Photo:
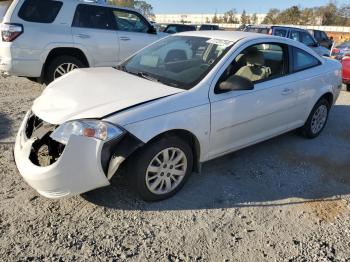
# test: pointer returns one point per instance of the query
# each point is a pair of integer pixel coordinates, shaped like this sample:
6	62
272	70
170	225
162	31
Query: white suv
44	40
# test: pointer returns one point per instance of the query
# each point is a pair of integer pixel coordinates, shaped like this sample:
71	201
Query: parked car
46	39
208	27
296	34
179	28
346	71
339	51
342	53
184	100
322	38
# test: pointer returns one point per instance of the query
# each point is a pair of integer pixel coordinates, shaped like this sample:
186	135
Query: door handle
83	36
125	38
287	91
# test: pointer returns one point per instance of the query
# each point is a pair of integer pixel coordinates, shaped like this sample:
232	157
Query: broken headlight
88	128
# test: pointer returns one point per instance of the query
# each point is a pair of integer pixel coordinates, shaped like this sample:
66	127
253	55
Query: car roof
226	35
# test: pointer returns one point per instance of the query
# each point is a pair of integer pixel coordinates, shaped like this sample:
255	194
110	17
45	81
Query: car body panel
61	102
346	70
70	175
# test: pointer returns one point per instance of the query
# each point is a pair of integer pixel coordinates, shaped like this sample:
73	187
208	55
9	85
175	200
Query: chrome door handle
83	36
287	91
125	38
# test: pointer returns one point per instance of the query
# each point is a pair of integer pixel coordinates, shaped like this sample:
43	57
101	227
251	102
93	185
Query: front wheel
161	169
317	119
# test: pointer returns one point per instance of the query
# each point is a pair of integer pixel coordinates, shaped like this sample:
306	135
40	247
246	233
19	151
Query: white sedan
180	102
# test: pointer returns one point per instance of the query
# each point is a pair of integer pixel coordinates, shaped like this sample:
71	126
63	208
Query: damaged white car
180	102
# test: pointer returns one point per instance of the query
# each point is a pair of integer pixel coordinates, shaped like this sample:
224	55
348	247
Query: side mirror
235	83
152	30
315	44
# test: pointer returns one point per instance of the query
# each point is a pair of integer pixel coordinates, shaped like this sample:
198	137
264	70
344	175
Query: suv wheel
60	66
317	119
161	169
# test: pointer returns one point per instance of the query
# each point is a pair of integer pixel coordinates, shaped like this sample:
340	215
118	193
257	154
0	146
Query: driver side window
255	64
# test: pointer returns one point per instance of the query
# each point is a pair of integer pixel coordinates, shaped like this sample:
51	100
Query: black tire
138	164
58	61
307	130
348	87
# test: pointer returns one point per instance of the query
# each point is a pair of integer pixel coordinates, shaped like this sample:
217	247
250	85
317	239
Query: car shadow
5	126
285	170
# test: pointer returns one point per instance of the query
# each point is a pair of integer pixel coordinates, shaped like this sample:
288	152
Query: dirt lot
283	200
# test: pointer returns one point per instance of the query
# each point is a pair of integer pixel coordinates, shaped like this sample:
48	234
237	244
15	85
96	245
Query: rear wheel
317	119
60	66
161	169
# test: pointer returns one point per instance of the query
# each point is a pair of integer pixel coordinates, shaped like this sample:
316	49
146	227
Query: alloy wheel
64	69
319	119
166	171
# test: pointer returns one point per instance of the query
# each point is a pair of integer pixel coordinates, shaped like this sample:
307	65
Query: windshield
4	5
178	61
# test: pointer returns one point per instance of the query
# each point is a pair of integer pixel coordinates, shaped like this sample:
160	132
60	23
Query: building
196	18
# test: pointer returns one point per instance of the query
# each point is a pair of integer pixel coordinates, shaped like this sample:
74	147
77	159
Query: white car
43	40
180	102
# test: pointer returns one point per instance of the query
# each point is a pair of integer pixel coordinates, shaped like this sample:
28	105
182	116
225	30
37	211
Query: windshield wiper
147	76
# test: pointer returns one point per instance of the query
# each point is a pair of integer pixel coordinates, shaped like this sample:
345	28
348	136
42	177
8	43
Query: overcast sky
210	6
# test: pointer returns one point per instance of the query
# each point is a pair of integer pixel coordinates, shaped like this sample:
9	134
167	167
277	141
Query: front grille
45	151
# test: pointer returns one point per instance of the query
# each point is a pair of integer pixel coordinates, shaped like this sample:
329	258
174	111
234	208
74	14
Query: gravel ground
286	199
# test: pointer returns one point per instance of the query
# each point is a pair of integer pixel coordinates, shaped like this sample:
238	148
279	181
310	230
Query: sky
221	6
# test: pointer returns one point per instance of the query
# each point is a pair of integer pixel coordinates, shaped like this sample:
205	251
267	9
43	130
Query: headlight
88	128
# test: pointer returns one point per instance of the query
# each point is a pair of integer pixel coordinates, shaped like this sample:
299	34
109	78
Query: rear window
95	17
3	8
40	11
303	60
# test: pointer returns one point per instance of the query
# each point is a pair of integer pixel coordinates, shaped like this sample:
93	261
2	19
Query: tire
348	87
141	166
66	62
315	124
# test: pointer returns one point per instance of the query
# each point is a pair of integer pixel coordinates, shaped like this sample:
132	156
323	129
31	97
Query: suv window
131	22
303	60
280	32
258	63
295	35
317	35
39	11
324	36
96	17
307	39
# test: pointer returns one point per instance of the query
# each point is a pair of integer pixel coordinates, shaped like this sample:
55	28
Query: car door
94	31
134	32
243	117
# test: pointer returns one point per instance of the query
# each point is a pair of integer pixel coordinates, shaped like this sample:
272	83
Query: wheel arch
189	138
72	51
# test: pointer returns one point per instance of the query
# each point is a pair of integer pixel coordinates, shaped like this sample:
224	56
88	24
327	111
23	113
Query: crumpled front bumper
78	169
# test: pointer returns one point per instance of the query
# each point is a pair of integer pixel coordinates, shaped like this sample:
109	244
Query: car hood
95	93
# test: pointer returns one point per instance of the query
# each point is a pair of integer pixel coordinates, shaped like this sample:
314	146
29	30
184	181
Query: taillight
9	32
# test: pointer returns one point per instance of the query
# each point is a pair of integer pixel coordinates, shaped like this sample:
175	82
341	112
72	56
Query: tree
230	17
145	8
215	19
308	17
254	19
290	16
271	16
245	19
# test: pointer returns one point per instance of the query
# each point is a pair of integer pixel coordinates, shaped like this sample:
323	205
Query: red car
346	71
